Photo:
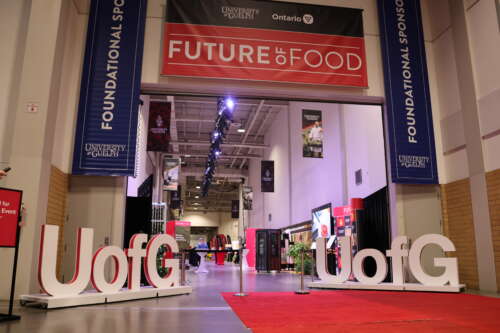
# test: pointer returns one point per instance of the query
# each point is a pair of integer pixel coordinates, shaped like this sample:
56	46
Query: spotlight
196	196
230	103
198	187
241	130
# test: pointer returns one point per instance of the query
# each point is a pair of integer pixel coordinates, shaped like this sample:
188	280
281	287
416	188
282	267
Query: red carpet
366	311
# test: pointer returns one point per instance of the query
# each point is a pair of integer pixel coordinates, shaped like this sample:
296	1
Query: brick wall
56	209
493	185
458	226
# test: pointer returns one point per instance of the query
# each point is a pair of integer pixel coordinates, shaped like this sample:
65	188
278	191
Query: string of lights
225	108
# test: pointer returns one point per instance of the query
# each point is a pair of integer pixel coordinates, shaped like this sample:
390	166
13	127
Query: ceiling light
197	197
187	155
241	130
230	103
198	187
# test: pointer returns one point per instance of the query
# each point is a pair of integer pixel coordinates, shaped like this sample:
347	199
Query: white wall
277	203
226	225
353	139
364	148
315	181
98	203
13	22
69	93
201	219
484	39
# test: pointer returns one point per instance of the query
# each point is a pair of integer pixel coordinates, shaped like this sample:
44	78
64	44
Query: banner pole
302	291
240	254
11	316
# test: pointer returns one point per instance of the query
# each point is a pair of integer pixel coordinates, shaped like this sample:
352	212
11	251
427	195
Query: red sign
10	203
265	55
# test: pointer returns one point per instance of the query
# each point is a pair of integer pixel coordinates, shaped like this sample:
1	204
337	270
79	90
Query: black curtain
375	227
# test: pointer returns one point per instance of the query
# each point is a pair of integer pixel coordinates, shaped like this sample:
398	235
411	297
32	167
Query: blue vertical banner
105	141
410	128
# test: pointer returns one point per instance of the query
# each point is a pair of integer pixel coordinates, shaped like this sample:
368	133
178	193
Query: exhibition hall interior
321	155
249	166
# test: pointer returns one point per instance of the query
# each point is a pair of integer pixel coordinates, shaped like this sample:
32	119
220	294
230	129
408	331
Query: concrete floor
202	311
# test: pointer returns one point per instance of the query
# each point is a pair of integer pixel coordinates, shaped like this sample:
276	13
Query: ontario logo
308	19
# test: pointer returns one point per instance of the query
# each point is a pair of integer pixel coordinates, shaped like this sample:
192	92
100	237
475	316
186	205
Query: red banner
10	203
263	55
159	126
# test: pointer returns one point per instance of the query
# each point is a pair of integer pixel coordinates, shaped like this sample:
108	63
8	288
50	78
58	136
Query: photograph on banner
247	197
267	176
159	126
312	134
171	170
10	206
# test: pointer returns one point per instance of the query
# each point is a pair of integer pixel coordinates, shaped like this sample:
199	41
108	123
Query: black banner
159	126
267	176
275	15
235	209
175	198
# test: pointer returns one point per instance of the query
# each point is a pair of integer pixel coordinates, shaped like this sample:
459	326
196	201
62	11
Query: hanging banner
247	197
267	176
312	134
235	209
411	135
10	207
159	126
171	169
265	41
106	130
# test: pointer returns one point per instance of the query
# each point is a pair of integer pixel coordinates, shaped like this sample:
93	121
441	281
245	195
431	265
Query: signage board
106	130
10	205
265	41
410	127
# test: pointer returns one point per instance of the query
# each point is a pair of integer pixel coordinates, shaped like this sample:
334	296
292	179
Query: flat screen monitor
321	222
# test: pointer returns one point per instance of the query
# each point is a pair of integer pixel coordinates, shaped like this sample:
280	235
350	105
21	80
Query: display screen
321	222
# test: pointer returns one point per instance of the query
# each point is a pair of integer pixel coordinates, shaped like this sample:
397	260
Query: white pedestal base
386	286
94	297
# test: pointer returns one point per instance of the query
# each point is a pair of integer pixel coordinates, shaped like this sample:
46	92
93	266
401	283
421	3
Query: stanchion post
183	268
302	291
240	255
313	268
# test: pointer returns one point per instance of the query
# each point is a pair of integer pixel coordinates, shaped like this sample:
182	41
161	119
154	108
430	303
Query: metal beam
261	127
227	144
219	172
249	129
223	156
173	124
